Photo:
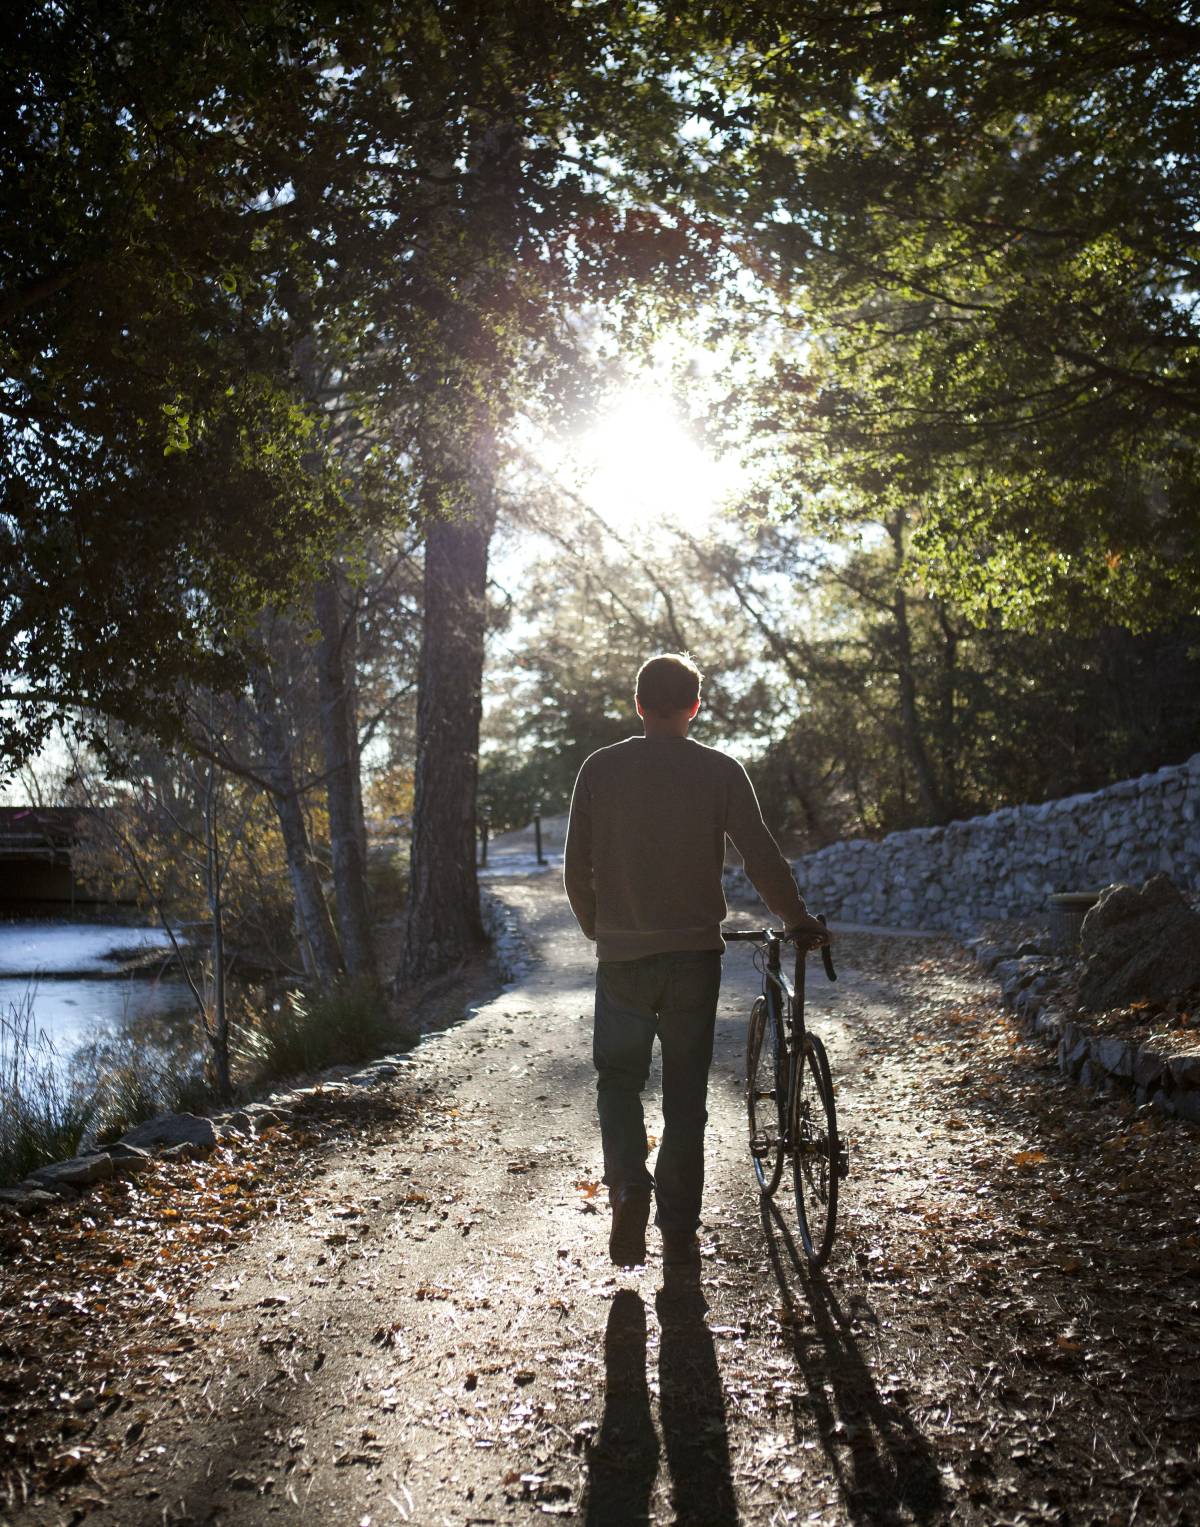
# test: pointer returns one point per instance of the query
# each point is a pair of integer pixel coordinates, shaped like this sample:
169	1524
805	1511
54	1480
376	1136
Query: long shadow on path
625	1457
886	1471
693	1411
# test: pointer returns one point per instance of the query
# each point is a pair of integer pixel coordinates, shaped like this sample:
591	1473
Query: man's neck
667	726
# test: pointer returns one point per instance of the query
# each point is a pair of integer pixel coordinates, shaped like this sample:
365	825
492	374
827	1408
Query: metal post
483	840
537	835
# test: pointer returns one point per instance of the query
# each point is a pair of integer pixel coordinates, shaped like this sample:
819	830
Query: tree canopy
978	223
230	233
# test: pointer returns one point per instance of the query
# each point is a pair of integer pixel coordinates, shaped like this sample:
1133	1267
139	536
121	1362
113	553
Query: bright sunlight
639	464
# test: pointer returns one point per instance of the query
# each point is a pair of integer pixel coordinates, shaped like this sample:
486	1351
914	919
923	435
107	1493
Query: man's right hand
810	934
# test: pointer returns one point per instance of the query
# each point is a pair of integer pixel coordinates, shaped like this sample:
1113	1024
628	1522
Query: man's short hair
668	683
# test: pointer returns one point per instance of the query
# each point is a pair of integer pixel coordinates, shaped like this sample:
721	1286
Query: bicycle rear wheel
813	1138
766	1093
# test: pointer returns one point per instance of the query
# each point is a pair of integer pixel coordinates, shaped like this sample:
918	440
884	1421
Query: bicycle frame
775	975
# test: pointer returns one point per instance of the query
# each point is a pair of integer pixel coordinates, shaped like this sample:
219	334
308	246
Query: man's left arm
578	878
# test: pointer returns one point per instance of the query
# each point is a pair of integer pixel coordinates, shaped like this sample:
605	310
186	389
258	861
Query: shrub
299	1033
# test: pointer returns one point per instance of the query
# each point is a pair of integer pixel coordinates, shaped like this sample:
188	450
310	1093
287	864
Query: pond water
64	969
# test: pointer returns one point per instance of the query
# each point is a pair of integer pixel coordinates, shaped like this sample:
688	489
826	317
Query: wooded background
288	291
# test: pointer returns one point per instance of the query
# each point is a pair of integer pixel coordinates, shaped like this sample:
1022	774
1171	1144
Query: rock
1073	1052
1138	945
173	1129
1186	1105
134	1156
27	1199
1114	1055
988	956
239	1122
186	1150
79	1172
52	1190
1185	1072
262	1115
18	1199
1149	1069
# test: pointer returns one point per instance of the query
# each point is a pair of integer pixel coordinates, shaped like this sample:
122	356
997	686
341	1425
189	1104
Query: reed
44	1112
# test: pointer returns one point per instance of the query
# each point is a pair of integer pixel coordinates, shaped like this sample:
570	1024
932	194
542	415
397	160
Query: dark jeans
675	997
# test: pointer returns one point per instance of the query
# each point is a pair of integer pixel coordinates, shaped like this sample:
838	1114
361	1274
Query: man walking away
644	853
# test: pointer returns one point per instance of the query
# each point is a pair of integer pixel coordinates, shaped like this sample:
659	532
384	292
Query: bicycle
789	1094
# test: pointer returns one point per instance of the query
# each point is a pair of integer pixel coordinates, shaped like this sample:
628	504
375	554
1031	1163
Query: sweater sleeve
578	879
768	870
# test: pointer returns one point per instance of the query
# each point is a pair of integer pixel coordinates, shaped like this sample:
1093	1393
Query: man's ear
637	705
694	709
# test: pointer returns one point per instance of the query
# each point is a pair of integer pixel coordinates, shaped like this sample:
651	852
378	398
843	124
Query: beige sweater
646	845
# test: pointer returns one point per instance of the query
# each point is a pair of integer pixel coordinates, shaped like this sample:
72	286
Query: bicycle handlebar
760	936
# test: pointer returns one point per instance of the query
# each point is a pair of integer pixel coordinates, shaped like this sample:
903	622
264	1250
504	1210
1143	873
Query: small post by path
537	835
483	837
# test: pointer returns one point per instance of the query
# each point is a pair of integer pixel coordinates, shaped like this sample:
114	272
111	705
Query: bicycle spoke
765	1060
815	1151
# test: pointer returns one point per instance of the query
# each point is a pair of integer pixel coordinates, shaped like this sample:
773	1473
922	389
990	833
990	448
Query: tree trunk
948	726
336	683
219	1034
928	793
442	924
318	941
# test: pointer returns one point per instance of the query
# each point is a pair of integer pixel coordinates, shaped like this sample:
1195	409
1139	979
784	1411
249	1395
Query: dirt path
427	1330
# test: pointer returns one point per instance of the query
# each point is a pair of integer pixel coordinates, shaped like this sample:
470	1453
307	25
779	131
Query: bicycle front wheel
813	1138
766	1093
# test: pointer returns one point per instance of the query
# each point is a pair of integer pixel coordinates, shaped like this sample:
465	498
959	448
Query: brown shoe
630	1216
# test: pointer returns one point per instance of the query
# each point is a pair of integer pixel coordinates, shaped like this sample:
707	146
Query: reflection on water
71	1013
146	1013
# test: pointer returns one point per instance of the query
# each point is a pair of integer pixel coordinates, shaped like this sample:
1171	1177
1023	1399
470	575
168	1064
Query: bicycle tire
813	1141
766	1069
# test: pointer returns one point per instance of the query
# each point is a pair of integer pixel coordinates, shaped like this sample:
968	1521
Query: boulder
1186	1105
1185	1072
128	1160
27	1199
1138	945
79	1172
1113	1055
173	1129
1149	1070
236	1122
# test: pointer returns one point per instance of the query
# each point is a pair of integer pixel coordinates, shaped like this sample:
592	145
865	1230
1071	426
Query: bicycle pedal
760	1147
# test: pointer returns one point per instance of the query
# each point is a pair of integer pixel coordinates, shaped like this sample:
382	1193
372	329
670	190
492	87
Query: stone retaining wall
1006	864
1032	987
